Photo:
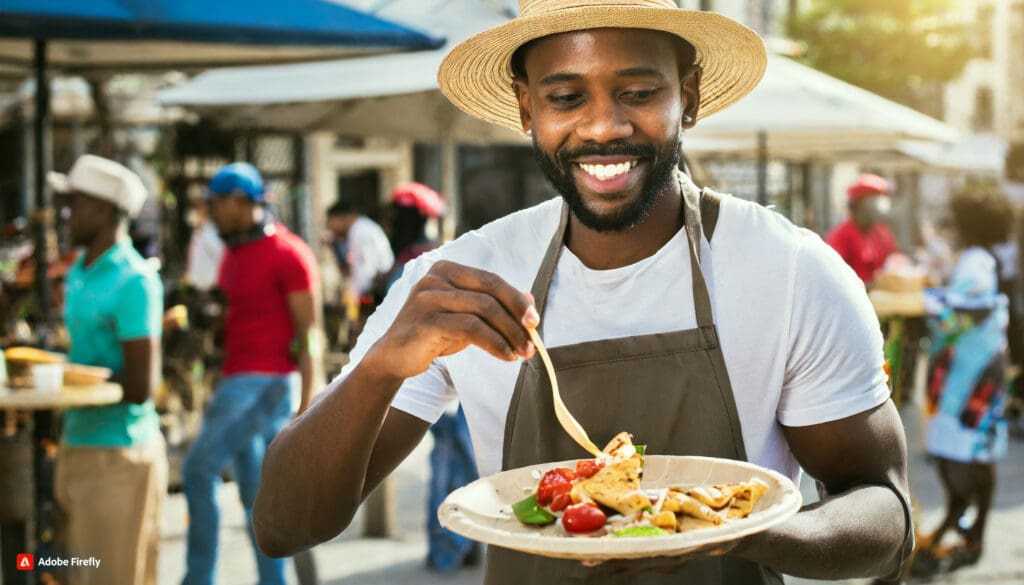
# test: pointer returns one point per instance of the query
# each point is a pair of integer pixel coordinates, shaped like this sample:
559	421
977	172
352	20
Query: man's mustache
567	155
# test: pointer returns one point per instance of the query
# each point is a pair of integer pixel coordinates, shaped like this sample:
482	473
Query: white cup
47	377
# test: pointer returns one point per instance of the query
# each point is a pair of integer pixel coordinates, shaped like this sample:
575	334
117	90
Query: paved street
350	559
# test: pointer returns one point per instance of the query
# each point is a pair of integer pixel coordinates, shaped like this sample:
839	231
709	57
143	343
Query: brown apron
670	390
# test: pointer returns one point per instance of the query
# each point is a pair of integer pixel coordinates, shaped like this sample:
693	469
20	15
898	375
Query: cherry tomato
560	502
584	517
588	467
557	481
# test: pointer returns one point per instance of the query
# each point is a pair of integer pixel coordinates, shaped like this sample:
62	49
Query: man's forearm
141	373
134	389
307	373
314	471
858	533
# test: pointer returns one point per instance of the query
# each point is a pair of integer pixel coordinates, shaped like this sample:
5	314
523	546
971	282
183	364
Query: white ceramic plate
482	510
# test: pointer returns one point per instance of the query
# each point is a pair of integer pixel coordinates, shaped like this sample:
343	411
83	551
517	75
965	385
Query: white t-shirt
801	341
205	252
369	253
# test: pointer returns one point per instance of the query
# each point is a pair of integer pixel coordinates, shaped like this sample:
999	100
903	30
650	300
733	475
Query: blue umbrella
108	36
120	35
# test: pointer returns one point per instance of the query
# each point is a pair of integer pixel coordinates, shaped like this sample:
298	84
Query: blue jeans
451	466
246	412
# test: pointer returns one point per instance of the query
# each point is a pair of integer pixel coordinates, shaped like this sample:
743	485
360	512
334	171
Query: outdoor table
39	518
66	397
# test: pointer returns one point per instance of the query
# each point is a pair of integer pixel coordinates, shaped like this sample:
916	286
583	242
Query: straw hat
103	179
477	76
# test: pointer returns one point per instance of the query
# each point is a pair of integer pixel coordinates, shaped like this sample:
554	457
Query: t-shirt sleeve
295	270
427	395
837	240
140	308
834	367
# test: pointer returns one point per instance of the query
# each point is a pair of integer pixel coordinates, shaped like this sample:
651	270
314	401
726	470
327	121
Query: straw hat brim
476	75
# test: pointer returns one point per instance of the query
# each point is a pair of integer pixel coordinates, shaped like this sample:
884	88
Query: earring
687	119
527	132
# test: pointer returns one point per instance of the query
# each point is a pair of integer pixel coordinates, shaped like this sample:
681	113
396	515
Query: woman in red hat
412	206
863	239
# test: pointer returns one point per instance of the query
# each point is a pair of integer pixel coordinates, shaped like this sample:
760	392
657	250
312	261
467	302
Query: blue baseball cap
238	179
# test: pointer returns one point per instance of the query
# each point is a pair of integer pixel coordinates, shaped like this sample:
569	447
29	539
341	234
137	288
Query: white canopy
804	113
334	81
375	96
977	153
390	95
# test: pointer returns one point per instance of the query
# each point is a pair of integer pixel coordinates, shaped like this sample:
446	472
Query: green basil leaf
528	511
635	531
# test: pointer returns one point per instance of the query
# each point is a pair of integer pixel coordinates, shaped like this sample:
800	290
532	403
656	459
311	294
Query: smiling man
701	324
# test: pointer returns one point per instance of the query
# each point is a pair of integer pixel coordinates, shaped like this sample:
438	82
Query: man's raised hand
451	307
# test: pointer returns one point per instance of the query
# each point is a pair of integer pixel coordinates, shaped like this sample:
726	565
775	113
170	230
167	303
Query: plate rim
451	517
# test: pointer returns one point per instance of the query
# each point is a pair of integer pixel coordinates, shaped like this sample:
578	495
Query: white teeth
605	172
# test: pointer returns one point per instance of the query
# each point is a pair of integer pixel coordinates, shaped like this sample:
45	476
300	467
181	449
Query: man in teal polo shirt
112	467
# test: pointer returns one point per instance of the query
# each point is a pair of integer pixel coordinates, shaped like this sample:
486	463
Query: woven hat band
536	7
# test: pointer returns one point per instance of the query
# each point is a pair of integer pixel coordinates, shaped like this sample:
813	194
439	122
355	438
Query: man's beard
559	174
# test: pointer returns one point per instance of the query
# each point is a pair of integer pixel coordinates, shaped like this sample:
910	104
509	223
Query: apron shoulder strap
710	203
546	272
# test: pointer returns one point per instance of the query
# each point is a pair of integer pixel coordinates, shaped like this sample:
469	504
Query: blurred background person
1008	255
205	249
413	205
863	239
111	472
936	255
967	377
1014	411
365	258
270	281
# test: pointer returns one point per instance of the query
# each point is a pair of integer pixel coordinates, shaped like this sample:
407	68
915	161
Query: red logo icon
26	562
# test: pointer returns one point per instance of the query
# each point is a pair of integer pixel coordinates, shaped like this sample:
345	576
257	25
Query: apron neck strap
692	225
542	282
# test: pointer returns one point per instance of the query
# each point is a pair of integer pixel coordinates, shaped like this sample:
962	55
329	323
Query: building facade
988	98
764	16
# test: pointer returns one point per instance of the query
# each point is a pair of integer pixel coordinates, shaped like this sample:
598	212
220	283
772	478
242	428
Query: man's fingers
470	329
484	306
517	303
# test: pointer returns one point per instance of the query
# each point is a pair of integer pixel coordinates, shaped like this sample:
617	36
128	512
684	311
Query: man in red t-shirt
269	277
863	239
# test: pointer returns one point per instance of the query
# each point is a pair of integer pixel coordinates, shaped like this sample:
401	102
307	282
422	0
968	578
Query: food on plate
617	486
79	375
20	360
603	496
33	356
